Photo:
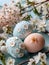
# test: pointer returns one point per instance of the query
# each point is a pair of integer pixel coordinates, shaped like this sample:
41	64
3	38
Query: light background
27	55
2	2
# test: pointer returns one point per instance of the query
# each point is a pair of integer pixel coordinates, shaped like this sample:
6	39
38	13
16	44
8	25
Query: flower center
10	62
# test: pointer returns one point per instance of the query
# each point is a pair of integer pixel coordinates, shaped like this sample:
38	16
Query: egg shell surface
22	29
15	47
34	42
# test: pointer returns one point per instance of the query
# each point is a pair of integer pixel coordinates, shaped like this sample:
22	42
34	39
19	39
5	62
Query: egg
15	47
34	42
22	29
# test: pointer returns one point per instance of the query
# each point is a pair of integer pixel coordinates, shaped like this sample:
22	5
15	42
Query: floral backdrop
35	11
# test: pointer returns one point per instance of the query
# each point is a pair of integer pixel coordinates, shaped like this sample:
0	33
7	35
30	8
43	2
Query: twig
46	32
36	5
23	62
47	52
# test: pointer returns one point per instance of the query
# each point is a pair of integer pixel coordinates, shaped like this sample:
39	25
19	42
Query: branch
46	32
47	52
36	5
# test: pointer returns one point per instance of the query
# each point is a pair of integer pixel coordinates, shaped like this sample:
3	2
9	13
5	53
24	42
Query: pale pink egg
34	42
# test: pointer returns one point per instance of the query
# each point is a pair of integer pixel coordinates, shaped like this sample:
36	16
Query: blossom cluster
10	61
3	47
41	57
9	14
37	1
44	10
39	25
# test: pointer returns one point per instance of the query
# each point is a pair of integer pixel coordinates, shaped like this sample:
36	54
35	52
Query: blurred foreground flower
10	61
40	58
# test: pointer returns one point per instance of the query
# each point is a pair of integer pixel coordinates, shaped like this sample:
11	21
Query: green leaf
36	11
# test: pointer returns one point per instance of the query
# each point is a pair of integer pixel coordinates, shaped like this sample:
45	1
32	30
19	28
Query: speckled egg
15	47
22	29
34	42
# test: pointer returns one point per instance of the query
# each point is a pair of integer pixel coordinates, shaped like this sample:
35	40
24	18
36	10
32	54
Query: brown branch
47	52
36	5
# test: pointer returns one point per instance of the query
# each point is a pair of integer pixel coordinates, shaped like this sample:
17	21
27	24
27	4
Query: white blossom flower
44	8
22	46
38	24
12	44
1	42
37	1
36	58
40	57
19	30
41	26
31	62
43	57
10	61
4	36
34	21
16	38
18	1
20	55
5	29
17	50
25	26
3	49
